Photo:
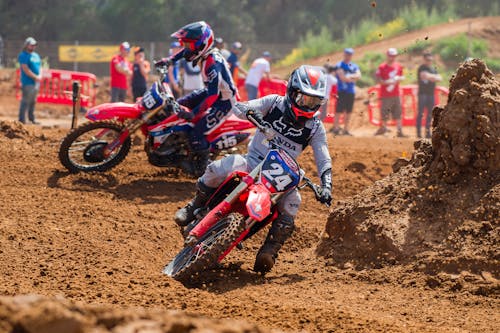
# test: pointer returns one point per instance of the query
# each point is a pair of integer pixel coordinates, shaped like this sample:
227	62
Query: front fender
259	202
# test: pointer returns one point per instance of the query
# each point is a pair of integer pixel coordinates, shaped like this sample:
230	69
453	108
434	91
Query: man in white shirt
260	67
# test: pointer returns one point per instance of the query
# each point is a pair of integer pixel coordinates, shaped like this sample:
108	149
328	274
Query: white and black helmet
305	93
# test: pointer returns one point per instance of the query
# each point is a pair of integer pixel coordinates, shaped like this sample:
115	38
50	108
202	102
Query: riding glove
325	193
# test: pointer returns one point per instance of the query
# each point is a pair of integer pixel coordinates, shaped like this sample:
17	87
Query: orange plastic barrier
409	103
56	83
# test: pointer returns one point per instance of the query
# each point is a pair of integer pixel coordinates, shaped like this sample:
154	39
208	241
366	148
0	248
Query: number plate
279	172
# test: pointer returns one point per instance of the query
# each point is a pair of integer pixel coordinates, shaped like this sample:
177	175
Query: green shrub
455	49
419	46
368	66
493	64
417	17
387	30
357	36
312	45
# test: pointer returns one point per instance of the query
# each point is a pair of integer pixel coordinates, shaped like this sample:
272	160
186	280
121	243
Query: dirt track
105	238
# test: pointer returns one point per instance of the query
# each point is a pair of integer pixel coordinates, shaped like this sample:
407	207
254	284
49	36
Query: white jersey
257	70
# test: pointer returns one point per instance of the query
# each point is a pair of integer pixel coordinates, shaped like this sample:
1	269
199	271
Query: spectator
389	74
260	67
347	75
331	81
191	77
173	73
427	78
120	71
234	64
140	73
221	46
30	64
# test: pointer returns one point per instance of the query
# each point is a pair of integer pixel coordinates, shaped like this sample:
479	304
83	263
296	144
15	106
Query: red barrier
56	83
409	103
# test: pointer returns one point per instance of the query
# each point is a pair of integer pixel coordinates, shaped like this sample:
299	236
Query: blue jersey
33	61
233	62
217	78
348	68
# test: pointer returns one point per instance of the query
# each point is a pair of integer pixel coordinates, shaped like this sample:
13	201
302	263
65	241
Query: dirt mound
13	130
439	212
37	314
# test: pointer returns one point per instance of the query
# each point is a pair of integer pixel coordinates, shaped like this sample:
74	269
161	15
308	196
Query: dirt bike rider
292	121
211	105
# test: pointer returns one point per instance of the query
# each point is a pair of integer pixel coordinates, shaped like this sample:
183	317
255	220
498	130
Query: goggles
190	45
309	102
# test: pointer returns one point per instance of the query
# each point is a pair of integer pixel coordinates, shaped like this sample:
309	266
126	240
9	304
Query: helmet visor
308	102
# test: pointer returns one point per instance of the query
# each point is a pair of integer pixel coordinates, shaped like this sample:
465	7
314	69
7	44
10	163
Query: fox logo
280	126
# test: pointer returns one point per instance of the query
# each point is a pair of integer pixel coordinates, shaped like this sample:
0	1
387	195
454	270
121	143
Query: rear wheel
192	260
83	149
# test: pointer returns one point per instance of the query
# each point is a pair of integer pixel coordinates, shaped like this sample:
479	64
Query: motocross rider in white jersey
293	123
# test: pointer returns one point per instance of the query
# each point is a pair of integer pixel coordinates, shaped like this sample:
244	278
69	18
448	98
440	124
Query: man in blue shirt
347	75
30	64
173	74
234	63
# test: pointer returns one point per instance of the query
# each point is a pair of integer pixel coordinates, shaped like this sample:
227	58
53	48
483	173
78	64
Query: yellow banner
88	53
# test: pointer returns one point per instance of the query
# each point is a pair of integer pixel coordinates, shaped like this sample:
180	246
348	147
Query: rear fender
259	202
119	111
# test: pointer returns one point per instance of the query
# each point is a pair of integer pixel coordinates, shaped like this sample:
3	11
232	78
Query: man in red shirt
389	74
121	70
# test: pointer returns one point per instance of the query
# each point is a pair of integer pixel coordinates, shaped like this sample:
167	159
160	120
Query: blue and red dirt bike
241	206
105	141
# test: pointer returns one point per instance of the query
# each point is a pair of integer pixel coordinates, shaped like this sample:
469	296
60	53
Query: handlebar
314	187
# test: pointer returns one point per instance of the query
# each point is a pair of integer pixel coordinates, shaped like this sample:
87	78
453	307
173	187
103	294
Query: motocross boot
186	214
281	229
200	161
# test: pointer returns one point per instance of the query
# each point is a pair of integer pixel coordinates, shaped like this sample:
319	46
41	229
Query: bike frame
251	198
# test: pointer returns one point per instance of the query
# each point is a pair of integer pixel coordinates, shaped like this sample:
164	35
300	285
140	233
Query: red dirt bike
242	205
105	141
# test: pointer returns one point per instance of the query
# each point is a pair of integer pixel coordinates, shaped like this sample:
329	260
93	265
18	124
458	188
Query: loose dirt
103	239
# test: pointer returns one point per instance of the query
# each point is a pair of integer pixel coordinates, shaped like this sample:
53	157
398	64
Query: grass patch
456	49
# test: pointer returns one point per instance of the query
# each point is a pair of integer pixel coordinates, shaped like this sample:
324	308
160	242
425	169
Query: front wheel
192	260
86	148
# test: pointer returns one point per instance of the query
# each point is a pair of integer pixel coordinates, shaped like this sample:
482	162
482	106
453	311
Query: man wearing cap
30	64
427	78
140	72
173	74
234	64
259	68
221	46
389	74
120	70
347	75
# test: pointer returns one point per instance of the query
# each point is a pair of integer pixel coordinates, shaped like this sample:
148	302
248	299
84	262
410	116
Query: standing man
30	64
347	75
173	73
139	73
221	46
427	78
260	67
234	64
331	81
389	74
120	70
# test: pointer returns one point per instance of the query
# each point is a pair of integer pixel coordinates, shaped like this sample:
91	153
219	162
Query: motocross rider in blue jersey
211	105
